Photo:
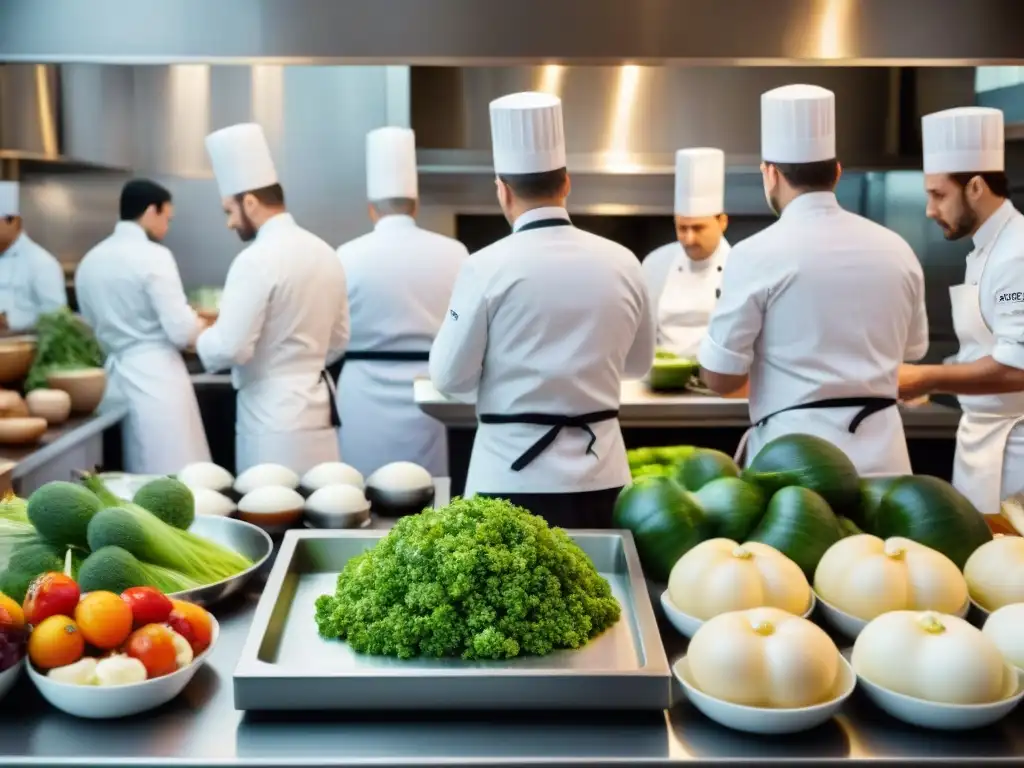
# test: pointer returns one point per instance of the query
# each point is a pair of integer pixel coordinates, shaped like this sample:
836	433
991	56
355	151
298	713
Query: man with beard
968	197
283	314
129	291
820	308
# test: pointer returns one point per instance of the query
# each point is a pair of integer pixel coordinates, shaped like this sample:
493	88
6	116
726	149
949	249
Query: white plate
688	625
952	717
9	677
761	719
103	703
851	626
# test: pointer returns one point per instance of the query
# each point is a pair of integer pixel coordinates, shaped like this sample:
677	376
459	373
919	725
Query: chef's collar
810	201
277	221
988	231
715	260
394	221
540	214
130	229
19	241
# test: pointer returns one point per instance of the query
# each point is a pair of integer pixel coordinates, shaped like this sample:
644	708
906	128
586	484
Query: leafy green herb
63	342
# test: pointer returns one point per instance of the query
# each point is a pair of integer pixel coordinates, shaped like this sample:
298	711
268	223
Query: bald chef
400	279
820	308
31	279
543	326
684	277
283	314
968	196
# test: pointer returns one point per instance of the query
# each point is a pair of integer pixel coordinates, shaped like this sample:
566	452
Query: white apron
300	450
163	430
983	470
686	303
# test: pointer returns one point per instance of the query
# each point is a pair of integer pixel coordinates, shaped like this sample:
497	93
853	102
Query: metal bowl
238	535
333	521
399	503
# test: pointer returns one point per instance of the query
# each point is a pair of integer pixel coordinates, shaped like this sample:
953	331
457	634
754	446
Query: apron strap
557	424
332	398
395	356
544	223
868	407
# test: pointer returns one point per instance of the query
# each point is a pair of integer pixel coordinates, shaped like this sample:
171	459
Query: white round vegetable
82	672
271	500
1005	627
182	650
54	405
337	500
400	476
211	503
205	474
719	575
264	475
120	670
930	656
764	657
995	572
332	473
865	577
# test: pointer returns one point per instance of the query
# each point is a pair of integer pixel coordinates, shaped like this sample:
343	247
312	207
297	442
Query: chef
684	277
31	279
400	279
542	328
968	196
129	291
283	314
820	308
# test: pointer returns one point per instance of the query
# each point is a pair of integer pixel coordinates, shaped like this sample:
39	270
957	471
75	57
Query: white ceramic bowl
761	719
9	677
104	703
688	625
951	717
851	626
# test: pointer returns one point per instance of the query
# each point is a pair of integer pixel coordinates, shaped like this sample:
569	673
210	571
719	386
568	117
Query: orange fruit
199	620
11	615
55	642
104	619
153	645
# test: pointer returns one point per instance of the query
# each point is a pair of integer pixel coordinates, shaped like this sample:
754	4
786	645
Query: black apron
557	422
868	407
332	398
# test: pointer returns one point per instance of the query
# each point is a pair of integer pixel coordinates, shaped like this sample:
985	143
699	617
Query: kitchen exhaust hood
30	124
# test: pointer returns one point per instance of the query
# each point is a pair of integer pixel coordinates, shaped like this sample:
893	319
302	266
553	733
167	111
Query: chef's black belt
332	402
868	407
370	354
543	223
557	424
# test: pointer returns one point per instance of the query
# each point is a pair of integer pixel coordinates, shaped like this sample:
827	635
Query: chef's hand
913	383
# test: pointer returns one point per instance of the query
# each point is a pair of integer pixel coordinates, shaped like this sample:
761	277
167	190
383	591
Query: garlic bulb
1005	628
865	577
82	672
720	575
764	657
930	656
995	572
120	670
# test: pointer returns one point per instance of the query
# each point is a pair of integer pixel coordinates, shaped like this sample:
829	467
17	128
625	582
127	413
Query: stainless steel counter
641	408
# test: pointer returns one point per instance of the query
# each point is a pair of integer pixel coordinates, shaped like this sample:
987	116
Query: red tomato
183	627
50	594
153	645
149	605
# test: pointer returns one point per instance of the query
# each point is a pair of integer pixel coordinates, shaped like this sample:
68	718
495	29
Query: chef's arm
167	295
641	355
986	376
727	349
917	339
341	331
457	354
231	341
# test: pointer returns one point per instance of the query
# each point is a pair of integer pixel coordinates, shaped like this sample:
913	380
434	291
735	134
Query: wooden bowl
85	386
16	356
21	431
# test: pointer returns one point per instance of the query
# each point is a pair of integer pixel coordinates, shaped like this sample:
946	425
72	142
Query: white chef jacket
31	283
400	280
129	291
283	314
683	294
545	321
821	304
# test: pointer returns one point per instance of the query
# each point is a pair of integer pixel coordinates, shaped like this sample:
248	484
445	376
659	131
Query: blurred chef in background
283	314
820	309
684	277
543	325
968	196
31	279
129	291
400	279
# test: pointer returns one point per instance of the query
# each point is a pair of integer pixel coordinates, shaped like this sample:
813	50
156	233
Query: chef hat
700	182
527	133
391	164
798	124
963	140
9	198
241	159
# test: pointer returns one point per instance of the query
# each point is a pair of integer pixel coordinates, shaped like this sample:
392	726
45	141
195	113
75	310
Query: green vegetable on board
672	374
170	500
703	466
732	507
800	524
63	342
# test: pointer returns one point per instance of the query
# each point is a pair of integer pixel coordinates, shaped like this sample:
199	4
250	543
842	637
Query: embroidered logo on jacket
454	314
1013	297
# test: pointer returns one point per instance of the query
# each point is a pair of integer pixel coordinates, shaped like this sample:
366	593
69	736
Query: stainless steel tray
286	665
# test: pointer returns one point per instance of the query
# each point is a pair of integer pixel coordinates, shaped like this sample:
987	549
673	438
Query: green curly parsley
480	578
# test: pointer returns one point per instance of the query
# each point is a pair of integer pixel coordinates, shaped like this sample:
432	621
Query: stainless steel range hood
30	123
